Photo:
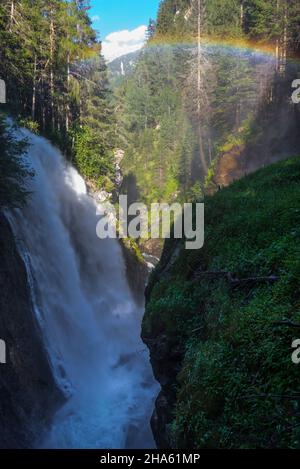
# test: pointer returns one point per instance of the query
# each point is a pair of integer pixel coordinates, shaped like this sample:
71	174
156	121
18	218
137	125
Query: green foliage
210	175
91	158
174	128
13	169
223	17
57	80
95	138
266	19
160	141
238	387
263	20
132	246
197	191
170	18
29	124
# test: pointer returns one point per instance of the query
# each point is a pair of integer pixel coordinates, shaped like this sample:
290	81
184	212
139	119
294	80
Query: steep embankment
29	395
219	321
272	135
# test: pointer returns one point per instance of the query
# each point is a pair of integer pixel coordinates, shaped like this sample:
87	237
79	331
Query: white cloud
95	18
123	42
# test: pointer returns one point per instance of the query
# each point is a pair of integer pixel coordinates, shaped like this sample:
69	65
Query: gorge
85	311
204	114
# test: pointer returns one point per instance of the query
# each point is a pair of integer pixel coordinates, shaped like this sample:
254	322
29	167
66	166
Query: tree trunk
34	90
277	40
52	38
43	110
12	15
199	83
68	91
285	39
242	15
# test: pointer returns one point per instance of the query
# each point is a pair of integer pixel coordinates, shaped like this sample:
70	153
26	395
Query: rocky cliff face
28	393
166	359
166	354
277	137
136	270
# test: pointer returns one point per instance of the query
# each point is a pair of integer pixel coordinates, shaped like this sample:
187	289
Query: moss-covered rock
225	306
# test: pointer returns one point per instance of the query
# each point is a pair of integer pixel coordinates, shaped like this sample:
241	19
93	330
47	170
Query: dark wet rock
28	393
166	359
136	272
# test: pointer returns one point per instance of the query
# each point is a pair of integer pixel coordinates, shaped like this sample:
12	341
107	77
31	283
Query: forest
200	93
189	101
56	79
206	111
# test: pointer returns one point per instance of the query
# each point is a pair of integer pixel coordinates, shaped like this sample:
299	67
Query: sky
122	24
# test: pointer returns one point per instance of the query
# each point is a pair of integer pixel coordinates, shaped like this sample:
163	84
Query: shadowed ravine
89	321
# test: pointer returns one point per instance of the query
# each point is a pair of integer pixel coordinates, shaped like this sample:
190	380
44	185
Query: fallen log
233	281
287	323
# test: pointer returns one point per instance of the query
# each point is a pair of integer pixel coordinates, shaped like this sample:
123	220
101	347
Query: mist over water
89	321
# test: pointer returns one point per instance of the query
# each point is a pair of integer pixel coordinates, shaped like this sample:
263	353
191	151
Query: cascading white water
90	323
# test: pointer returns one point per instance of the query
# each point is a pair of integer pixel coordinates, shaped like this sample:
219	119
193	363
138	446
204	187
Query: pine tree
151	29
44	44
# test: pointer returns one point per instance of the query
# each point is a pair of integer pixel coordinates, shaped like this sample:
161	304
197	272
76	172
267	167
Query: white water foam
89	321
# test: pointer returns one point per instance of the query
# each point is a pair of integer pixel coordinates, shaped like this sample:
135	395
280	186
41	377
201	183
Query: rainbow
242	45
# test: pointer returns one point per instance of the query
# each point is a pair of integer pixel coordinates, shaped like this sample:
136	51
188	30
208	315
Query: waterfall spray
89	321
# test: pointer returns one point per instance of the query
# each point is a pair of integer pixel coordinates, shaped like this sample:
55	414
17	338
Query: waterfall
88	319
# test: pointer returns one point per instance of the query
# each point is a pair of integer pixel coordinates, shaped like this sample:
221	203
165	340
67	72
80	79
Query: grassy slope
237	385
